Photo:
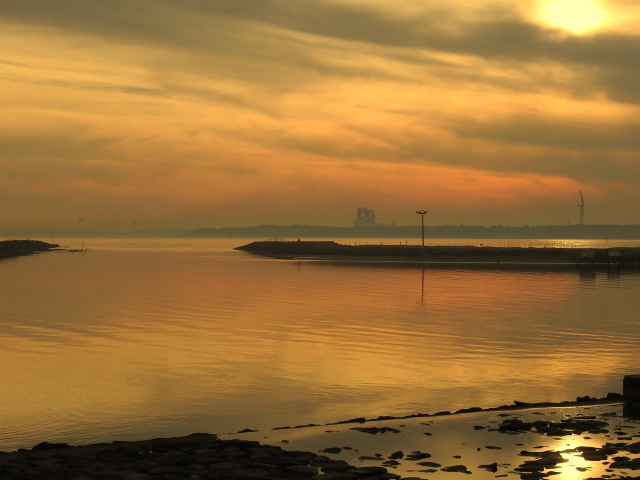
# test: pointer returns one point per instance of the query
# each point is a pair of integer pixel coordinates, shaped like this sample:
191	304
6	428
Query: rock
456	468
417	455
367	471
631	387
331	450
492	467
515	425
395	455
374	430
49	446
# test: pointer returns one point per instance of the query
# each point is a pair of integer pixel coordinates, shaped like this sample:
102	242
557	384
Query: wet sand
577	441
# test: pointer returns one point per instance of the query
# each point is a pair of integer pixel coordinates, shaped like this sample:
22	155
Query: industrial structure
365	218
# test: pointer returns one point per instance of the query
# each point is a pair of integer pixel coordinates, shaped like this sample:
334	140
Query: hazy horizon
187	114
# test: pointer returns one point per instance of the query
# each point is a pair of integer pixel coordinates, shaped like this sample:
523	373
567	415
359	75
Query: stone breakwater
629	257
197	456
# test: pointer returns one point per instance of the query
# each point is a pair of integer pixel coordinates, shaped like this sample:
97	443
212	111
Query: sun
575	16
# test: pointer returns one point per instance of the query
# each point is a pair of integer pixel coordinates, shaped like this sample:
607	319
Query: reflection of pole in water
422	291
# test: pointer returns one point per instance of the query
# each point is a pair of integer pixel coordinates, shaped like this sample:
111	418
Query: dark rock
336	466
417	455
367	471
331	450
374	430
515	425
469	410
456	468
49	446
395	455
492	467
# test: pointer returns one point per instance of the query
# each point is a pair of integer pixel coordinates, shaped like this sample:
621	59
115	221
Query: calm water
142	338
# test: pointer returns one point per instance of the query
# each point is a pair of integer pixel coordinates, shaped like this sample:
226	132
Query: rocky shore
329	250
586	439
16	248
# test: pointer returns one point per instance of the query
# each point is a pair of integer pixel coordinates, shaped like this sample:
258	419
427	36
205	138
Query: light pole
422	213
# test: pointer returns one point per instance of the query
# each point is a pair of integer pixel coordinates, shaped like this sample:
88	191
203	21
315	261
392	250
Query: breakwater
623	257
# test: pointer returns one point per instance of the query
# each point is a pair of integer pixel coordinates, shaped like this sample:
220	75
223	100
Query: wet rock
492	467
335	466
417	455
456	468
196	456
367	471
375	430
626	463
331	450
593	454
49	446
469	410
515	425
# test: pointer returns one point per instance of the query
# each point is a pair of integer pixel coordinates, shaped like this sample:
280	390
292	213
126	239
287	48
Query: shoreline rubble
211	456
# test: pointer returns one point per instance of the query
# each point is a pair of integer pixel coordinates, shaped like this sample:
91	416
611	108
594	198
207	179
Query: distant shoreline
329	250
18	248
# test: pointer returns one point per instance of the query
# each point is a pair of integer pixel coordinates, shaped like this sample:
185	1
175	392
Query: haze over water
142	338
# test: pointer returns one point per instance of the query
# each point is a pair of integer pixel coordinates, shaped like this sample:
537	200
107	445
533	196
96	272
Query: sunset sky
213	113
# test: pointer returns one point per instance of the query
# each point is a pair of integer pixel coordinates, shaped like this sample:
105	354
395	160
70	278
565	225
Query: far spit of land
16	248
444	254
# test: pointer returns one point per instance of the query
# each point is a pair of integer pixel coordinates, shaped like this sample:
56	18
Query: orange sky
194	113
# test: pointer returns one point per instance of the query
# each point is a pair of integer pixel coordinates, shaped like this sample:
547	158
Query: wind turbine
581	207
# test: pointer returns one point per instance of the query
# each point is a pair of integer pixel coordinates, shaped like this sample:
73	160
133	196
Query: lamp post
422	213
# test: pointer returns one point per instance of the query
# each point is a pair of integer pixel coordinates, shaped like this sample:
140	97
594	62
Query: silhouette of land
598	232
444	254
16	248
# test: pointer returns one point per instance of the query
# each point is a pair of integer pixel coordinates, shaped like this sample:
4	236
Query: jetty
468	254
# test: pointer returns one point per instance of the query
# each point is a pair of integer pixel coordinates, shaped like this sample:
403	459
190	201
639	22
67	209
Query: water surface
144	338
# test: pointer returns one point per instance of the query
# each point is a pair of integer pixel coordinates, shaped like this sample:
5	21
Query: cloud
198	107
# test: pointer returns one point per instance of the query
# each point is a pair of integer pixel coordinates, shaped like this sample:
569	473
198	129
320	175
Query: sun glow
575	16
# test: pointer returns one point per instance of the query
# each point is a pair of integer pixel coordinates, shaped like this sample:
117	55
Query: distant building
365	218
